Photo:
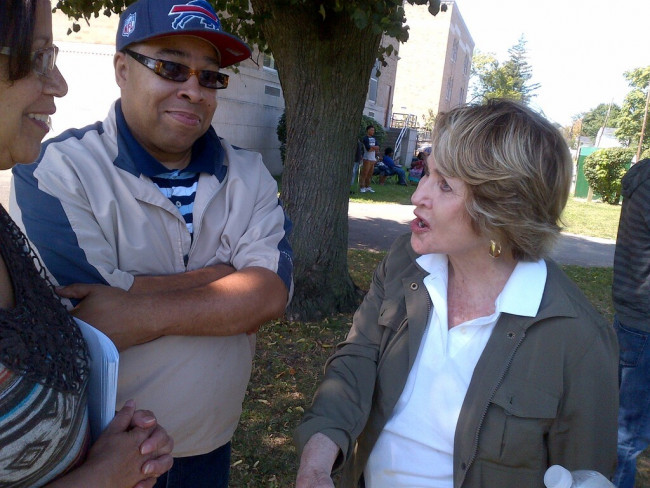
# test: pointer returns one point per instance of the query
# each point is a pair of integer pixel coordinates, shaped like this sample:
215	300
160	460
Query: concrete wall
248	113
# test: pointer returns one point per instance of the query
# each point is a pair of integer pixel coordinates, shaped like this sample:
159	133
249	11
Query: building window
269	62
274	91
461	97
466	65
450	87
371	114
374	84
454	51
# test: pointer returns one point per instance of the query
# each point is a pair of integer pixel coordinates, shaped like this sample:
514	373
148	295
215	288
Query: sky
578	49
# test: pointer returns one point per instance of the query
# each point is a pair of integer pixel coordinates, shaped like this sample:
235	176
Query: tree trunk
324	66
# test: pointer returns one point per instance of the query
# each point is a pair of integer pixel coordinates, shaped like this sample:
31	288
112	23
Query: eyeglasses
179	72
43	60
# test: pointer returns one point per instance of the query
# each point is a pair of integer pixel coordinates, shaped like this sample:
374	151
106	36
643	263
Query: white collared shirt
416	447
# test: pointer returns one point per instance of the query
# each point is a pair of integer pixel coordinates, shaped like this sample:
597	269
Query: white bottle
558	477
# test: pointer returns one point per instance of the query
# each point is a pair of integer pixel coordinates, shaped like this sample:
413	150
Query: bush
380	133
281	131
645	154
604	170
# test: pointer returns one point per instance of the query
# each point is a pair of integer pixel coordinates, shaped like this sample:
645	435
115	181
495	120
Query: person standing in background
369	159
631	296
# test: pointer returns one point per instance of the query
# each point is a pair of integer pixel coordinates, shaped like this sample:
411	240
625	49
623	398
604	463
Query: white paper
102	386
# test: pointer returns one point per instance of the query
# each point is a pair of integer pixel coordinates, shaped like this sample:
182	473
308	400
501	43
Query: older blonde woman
473	360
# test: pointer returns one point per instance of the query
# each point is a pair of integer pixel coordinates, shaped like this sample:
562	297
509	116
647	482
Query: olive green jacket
543	392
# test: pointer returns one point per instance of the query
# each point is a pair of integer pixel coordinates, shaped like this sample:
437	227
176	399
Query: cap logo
195	10
129	25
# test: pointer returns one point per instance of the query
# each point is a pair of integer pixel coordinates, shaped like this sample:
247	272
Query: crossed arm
212	301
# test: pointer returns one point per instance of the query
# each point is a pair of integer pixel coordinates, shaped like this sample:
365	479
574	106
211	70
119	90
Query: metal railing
398	142
400	121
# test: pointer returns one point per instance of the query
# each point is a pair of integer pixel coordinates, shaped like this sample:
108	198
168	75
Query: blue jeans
210	470
634	398
401	174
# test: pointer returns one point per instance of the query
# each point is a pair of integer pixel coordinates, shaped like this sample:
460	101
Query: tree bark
324	66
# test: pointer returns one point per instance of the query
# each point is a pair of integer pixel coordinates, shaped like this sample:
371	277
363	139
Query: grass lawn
287	369
594	219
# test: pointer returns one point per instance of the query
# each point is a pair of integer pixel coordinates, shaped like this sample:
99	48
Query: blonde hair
517	167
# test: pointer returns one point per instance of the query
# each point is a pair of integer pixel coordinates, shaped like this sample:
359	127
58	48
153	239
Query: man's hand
110	310
237	303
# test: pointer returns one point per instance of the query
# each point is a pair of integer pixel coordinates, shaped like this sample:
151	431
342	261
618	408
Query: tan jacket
543	392
94	217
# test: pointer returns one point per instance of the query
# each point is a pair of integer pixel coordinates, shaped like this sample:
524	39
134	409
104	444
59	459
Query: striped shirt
180	187
631	287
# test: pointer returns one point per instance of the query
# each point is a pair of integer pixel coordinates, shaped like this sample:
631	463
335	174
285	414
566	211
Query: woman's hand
159	444
131	453
133	450
316	463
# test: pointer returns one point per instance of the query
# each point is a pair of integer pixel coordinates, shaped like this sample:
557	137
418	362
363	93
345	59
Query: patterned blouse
43	374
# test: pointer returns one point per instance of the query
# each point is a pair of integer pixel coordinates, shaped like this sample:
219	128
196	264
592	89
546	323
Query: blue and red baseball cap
148	19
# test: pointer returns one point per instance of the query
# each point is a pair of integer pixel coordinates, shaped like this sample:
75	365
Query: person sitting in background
44	363
390	168
417	167
473	361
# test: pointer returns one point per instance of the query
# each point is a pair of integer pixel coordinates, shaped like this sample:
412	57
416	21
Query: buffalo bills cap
148	19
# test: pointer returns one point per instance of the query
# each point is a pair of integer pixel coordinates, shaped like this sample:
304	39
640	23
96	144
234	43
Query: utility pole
645	119
602	129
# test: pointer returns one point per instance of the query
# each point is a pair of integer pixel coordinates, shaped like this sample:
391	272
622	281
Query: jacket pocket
517	425
631	343
392	313
392	318
490	475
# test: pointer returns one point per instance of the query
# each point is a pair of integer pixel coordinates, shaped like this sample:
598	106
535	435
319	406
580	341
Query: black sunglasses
179	72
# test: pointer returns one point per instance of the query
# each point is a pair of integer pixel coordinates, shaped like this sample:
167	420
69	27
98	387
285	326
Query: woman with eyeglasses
44	435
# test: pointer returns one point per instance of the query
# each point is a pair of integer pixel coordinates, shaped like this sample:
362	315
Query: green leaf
360	18
434	7
321	11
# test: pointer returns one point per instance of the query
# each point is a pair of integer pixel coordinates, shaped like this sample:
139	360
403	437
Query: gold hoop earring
495	249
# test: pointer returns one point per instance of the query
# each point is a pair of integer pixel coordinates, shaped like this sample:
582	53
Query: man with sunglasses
164	236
